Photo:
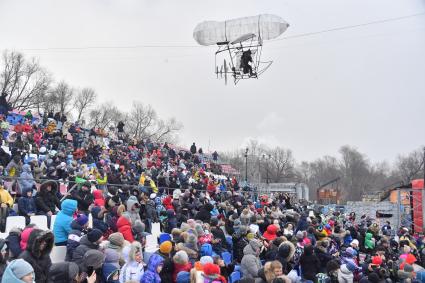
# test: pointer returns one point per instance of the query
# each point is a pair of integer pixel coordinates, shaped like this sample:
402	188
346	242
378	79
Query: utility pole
246	166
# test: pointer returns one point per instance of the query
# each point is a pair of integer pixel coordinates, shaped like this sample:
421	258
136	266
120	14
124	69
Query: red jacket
124	227
180	267
168	203
98	198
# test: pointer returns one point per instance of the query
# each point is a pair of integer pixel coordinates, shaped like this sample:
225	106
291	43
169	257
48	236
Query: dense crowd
211	229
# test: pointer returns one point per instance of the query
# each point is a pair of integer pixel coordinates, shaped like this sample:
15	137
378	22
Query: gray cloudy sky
364	87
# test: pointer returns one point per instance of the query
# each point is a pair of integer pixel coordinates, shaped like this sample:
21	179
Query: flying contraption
240	41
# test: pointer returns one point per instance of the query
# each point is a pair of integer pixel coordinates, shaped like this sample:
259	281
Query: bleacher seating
58	254
40	221
52	221
14	221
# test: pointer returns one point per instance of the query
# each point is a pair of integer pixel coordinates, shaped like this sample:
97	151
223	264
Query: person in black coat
310	265
46	200
37	253
13	243
204	213
193	148
83	196
79	229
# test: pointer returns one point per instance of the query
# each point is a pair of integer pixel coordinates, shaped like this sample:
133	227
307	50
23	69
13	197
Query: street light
246	165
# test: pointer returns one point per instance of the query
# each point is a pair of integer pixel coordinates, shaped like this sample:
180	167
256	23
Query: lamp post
246	165
267	169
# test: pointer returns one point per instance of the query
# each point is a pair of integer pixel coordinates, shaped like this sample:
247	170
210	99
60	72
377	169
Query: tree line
357	174
26	85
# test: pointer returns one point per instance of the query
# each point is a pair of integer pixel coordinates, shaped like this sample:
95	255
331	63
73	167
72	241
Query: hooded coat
26	204
133	214
151	275
62	225
13	243
39	259
63	272
47	200
345	275
270	234
124	227
368	243
98	198
9	276
80	251
27	180
131	270
204	213
251	264
285	253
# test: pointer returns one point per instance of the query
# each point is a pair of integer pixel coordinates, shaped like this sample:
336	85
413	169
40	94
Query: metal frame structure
235	49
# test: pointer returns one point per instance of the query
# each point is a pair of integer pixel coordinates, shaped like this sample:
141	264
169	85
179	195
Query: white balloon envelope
264	27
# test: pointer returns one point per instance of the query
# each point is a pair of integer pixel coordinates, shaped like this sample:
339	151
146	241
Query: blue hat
183	277
164	237
82	219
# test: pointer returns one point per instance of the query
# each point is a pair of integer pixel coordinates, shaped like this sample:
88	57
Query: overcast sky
364	87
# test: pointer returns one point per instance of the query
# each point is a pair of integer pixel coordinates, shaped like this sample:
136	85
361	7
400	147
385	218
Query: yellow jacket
5	197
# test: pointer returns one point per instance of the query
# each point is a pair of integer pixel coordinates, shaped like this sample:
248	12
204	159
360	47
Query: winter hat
206	259
139	226
351	252
94	235
82	219
300	235
164	237
373	277
255	245
25	235
112	257
183	277
166	247
152	196
181	257
355	243
376	260
73	270
116	240
20	268
211	269
93	258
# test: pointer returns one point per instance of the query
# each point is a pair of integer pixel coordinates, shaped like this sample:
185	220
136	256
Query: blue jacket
28	182
151	276
62	225
98	222
26	204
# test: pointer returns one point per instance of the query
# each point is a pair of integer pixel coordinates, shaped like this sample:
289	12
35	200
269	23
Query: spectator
37	253
133	268
155	265
64	272
62	225
251	264
46	199
78	229
88	242
18	271
26	205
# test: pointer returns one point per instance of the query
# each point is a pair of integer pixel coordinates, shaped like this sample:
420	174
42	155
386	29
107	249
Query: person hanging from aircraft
246	58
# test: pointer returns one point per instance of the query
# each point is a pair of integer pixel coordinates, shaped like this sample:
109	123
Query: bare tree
61	97
23	83
83	100
141	119
143	123
410	166
282	164
105	115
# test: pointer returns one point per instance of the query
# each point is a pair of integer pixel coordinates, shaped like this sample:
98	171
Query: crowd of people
212	230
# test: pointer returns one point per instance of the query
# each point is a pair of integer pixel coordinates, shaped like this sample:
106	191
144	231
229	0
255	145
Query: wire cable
197	46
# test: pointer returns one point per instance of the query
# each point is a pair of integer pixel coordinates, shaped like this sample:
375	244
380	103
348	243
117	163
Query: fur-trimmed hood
286	250
36	237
